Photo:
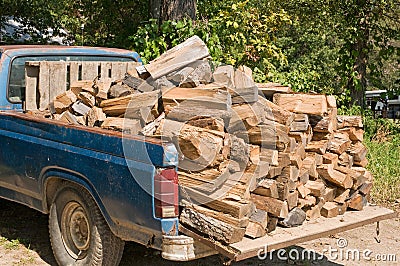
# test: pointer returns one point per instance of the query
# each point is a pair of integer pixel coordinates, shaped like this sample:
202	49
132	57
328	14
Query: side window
16	84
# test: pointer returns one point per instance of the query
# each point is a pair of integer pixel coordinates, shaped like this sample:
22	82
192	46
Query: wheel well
52	185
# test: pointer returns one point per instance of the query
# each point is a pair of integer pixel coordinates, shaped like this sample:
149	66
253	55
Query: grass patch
384	164
12	244
384	160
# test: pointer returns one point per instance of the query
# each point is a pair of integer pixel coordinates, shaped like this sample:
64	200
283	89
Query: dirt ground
24	241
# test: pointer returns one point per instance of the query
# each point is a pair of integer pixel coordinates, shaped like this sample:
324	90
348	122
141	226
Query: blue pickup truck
101	188
97	193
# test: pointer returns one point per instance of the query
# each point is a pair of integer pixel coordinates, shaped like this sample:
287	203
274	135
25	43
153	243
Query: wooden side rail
45	80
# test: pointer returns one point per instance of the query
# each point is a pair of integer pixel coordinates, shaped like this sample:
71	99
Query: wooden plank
31	84
58	78
219	247
44	85
89	70
321	227
118	70
73	72
131	67
189	51
105	69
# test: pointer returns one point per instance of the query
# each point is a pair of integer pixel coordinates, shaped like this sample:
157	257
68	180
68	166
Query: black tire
79	235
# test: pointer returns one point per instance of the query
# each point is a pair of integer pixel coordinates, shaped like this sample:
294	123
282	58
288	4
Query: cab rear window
16	83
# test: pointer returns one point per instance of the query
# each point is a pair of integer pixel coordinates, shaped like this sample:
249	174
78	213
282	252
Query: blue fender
78	178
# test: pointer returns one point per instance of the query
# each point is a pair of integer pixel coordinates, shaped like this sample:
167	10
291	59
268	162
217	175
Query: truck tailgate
310	230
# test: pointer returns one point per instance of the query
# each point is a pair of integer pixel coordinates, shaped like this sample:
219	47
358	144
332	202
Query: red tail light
166	193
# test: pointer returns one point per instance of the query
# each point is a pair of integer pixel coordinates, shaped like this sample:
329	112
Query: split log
342	195
272	223
201	74
245	116
329	210
68	118
245	90
292	199
339	143
358	151
212	227
267	136
82	85
236	209
349	121
355	134
177	95
270	156
217	215
120	90
365	189
309	167
302	103
276	113
317	146
358	178
128	126
327	172
199	145
276	207
131	104
329	194
346	160
205	107
207	123
357	202
269	89
183	54
317	188
87	98
308	202
267	188
362	163
330	158
80	108
303	191
102	86
274	171
62	102
95	116
258	224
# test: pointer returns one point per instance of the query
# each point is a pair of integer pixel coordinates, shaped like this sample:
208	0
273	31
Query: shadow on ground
31	229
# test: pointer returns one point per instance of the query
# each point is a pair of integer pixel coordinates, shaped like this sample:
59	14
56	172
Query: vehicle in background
381	105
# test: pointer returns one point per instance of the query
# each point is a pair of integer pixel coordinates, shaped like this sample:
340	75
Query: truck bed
310	230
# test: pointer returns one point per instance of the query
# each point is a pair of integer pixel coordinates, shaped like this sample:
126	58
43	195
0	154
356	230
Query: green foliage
237	34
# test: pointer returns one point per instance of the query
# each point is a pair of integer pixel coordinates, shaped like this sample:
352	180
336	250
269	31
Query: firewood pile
252	156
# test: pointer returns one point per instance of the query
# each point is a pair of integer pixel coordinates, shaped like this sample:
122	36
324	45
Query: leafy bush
238	34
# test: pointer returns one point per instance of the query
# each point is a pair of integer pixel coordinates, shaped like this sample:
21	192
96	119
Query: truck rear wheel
79	234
